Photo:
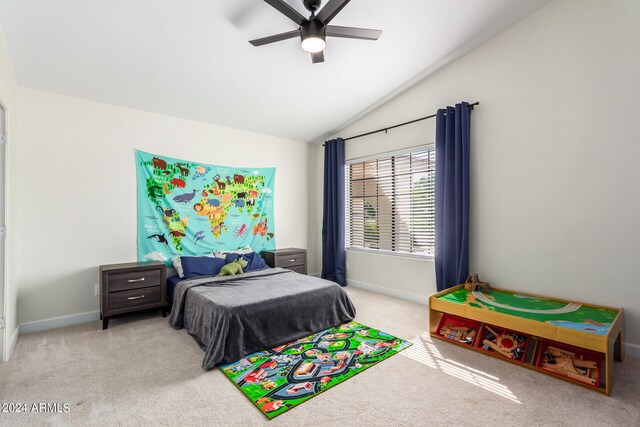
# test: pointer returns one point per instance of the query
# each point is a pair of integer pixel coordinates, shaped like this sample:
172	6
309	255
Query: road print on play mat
276	380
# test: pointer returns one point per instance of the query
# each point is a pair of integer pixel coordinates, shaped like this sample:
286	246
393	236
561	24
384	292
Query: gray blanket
232	316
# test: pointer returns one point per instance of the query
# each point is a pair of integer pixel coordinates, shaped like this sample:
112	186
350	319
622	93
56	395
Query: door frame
4	337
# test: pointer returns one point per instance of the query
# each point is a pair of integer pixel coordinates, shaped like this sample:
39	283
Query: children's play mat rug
276	380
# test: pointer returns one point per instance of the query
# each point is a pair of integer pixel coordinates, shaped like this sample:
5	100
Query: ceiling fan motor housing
313	29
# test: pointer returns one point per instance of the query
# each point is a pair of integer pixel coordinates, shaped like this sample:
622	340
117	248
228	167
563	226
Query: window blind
390	203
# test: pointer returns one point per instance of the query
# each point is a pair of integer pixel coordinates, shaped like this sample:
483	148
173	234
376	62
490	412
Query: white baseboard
59	322
632	351
11	345
13	342
420	299
383	290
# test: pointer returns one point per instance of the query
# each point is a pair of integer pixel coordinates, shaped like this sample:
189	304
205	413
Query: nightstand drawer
134	280
135	298
290	260
131	287
294	259
298	269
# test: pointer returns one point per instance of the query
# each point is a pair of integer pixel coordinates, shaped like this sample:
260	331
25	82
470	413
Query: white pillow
177	264
223	254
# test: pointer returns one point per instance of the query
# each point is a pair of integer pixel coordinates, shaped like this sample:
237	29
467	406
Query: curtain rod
401	124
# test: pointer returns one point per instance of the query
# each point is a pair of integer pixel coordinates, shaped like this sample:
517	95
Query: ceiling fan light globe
313	44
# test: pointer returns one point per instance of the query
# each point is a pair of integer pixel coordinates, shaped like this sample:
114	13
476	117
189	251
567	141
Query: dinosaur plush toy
233	268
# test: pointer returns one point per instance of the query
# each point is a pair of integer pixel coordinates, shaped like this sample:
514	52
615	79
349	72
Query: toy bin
567	361
502	342
458	329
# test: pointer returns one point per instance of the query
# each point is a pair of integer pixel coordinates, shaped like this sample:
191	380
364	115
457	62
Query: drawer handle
138	297
135	280
292	260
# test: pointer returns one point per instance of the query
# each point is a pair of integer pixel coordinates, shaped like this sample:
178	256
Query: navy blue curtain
333	253
453	127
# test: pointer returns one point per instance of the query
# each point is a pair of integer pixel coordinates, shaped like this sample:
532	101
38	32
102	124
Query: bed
172	282
232	316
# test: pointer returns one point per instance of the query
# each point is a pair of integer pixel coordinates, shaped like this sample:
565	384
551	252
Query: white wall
8	97
78	190
555	148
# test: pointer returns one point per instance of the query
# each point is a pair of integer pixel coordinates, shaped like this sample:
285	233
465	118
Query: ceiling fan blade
275	38
287	11
353	32
317	57
330	10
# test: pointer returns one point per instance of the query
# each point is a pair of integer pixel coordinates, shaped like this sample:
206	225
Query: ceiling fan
314	31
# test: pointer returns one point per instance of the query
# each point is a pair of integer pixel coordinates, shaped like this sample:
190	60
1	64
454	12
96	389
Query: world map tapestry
191	208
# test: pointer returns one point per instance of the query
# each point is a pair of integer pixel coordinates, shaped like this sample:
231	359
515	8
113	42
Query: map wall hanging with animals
192	208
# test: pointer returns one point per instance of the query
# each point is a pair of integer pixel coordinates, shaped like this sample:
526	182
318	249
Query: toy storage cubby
566	361
458	329
503	342
582	357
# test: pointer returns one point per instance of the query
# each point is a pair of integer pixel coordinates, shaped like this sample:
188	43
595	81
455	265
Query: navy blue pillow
254	261
194	266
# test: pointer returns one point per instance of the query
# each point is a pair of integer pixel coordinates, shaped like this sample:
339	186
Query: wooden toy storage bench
546	331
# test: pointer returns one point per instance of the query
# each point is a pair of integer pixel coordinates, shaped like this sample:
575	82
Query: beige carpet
143	372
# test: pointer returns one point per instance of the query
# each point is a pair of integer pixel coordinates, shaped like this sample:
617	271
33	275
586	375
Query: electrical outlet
97	289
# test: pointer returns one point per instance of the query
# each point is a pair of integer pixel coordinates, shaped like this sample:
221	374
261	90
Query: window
390	203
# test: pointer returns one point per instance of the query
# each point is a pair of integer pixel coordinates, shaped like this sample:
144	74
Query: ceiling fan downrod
312	6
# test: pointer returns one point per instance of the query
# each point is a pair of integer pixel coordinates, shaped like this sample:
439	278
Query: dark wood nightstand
131	287
290	258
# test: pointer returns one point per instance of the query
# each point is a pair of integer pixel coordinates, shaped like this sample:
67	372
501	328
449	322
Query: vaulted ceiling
192	58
